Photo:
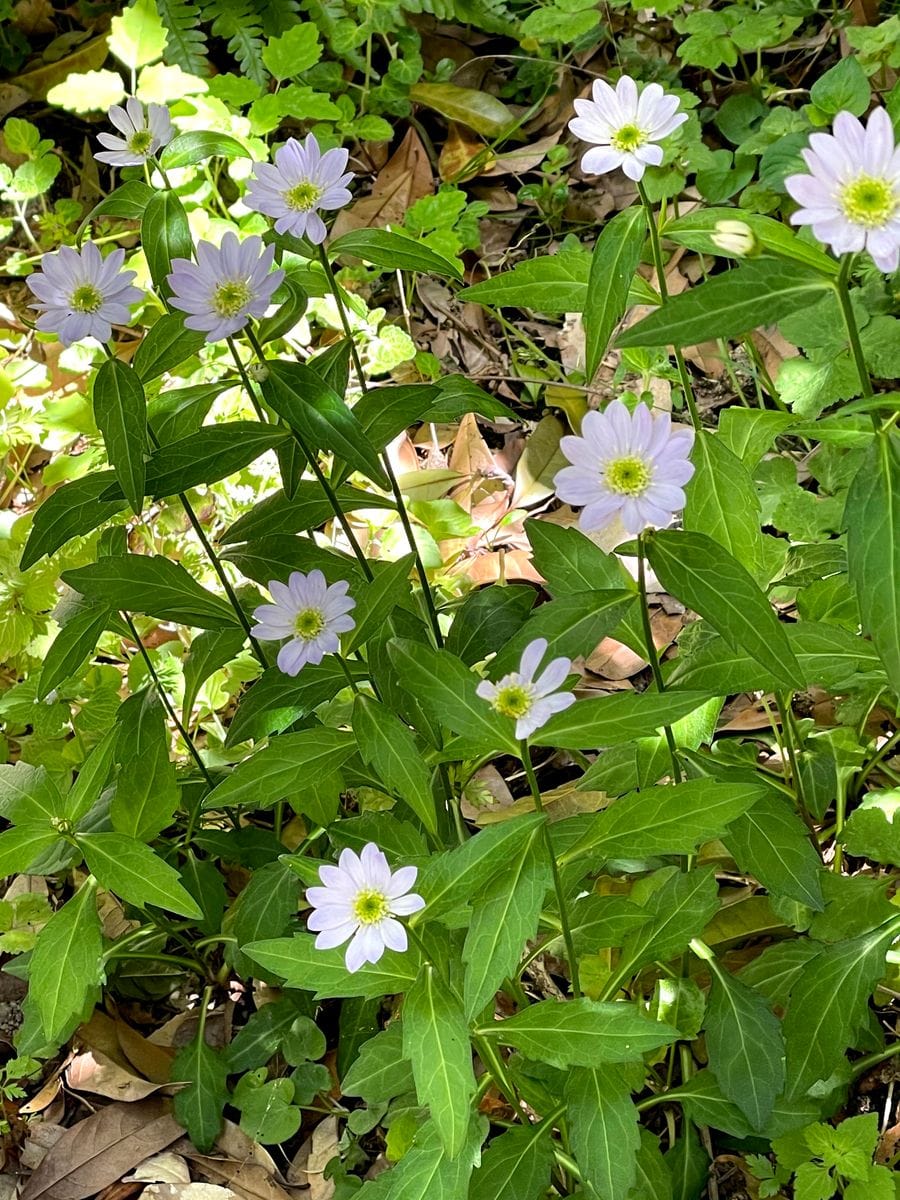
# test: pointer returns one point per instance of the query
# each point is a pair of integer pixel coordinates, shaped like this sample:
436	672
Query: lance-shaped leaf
382	248
613	720
515	1166
380	1071
165	234
604	1129
200	1106
323	972
617	253
771	842
132	870
436	1042
283	768
72	511
389	746
120	411
722	500
426	1171
153	585
67	962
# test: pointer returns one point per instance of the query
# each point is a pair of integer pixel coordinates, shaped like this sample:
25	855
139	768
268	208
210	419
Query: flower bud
735	237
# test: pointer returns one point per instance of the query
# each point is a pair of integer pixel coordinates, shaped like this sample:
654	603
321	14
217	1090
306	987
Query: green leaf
72	511
829	1006
678	910
23	845
488	618
745	1046
165	234
478	110
722	500
277	700
301	965
166	345
436	1042
320	416
120	411
380	1071
267	1112
294	52
757	293
456	877
264	909
146	793
654	1180
208	456
446	689
379	597
872	831
208	653
616	256
603	1123
696	231
199	1106
872	520
92	777
306	508
582	1032
153	585
127	200
688	1165
388	745
703	575
515	1166
137	875
504	918
393	251
71	646
612	720
72	937
572	625
282	769
672	819
199	145
137	36
425	1172
28	794
179	413
771	842
570	562
843	87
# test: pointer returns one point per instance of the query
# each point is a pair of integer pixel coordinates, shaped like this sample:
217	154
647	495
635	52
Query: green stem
385	457
843	295
342	663
653	657
554	867
167	704
788	730
656	250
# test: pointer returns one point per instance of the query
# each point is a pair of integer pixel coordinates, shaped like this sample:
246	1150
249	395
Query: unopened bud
735	237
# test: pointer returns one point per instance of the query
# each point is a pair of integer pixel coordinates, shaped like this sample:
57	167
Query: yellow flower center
302	196
627	476
140	141
231	296
868	201
370	907
514	700
309	623
86	298
628	138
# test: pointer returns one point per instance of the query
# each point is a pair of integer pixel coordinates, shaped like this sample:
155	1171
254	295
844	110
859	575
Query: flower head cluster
625	126
630	465
851	196
226	286
143	134
360	899
530	701
81	294
302	182
310	614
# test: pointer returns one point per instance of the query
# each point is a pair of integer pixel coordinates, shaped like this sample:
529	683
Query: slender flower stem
843	295
554	867
342	663
385	457
313	461
653	657
167	703
656	250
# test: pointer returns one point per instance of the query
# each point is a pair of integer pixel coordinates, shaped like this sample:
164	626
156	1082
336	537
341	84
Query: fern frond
186	42
240	23
278	15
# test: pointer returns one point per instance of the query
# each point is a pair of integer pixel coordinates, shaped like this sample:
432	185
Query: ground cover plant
450	568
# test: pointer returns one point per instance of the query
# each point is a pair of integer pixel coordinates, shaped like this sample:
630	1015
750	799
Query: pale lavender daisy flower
310	613
625	126
302	181
530	701
360	899
226	286
82	294
851	196
630	465
143	134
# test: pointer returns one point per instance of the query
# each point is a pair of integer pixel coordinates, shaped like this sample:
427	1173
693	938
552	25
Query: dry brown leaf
540	461
615	660
93	1071
153	1062
42	1137
523	158
44	1098
98	1151
463	155
188	1191
99	1034
161	1168
405	178
313	1157
510	565
248	1179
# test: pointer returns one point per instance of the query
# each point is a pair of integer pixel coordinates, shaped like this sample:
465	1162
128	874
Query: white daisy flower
360	899
302	181
82	294
310	613
851	196
531	702
631	465
625	126
143	134
226	286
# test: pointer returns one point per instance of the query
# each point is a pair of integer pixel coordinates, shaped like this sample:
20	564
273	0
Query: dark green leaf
166	345
153	585
284	768
570	562
390	587
199	1106
120	411
388	745
165	234
612	720
617	253
262	910
137	875
24	845
72	937
380	1071
208	456
392	251
300	965
181	412
696	231
515	1166
486	619
209	652
604	1129
276	700
771	842
127	200
198	145
722	500
307	508
72	511
573	625
71	646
